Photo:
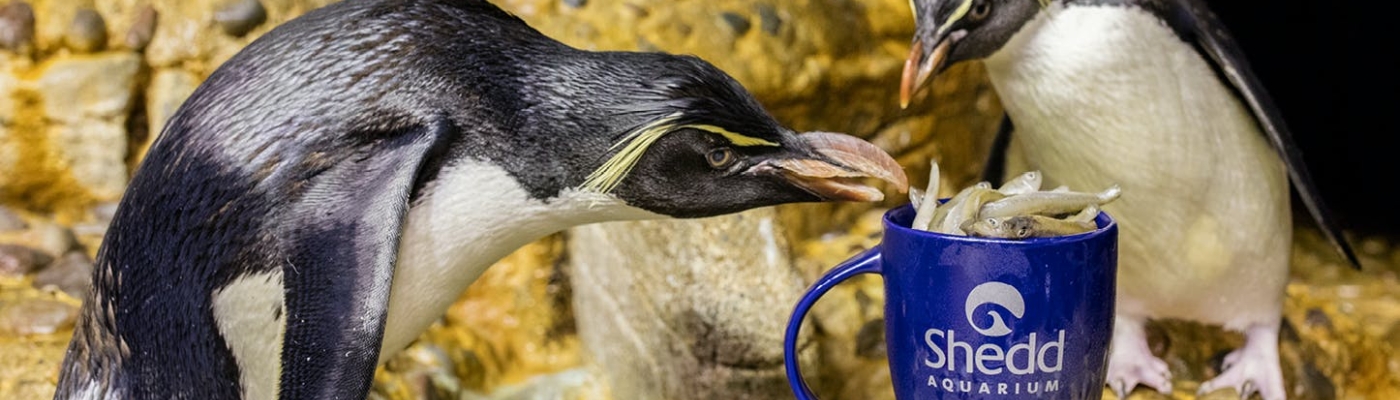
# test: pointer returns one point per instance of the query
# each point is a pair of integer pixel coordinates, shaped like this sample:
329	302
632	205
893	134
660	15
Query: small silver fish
916	197
966	210
1025	183
1047	203
1086	216
942	212
1025	226
928	205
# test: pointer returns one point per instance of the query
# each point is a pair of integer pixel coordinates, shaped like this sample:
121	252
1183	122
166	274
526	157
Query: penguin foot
1130	360
1252	368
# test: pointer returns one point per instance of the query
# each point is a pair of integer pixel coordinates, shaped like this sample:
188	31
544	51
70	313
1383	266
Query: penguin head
686	140
950	31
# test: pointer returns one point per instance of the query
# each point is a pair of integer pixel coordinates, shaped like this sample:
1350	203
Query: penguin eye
721	157
980	10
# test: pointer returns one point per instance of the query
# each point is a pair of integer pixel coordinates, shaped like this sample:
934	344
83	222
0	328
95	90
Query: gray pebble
104	212
36	317
72	274
1316	318
1312	384
143	29
768	19
10	221
737	22
51	238
88	33
16	260
16	25
575	3
238	17
102	215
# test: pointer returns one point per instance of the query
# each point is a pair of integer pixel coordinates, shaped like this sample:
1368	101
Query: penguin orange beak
917	69
840	168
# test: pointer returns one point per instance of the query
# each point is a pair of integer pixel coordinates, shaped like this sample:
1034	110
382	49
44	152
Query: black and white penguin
327	192
1155	96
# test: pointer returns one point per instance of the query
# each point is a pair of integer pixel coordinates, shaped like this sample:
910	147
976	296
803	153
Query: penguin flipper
1193	20
994	169
343	246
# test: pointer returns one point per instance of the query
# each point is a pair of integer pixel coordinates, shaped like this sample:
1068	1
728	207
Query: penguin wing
343	245
1193	19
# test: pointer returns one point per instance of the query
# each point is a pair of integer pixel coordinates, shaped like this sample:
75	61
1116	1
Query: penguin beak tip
918	68
842	167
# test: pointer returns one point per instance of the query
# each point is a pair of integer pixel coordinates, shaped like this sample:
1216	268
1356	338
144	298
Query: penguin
1153	95
326	193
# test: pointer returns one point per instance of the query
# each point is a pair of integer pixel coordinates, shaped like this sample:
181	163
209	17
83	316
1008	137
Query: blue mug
978	318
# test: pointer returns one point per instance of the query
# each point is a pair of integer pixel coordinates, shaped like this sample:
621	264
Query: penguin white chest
1104	95
474	215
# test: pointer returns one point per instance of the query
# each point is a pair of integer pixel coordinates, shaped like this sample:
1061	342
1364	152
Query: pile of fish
1016	210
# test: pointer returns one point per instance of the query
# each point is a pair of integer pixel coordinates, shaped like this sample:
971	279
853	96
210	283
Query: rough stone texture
87	33
65	129
707	327
43	235
36	317
11	221
71	274
16	260
87	100
169	88
29	363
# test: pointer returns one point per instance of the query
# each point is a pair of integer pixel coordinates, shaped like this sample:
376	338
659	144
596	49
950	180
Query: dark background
1331	68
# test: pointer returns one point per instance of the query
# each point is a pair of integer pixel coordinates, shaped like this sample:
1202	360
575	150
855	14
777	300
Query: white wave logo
995	293
1028	354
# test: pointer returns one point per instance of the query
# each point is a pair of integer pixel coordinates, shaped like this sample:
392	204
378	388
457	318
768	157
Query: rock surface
11	221
71	274
16	260
706	328
66	130
36	317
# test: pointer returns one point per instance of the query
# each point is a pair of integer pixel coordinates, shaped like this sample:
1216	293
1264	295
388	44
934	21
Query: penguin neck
472	216
477	212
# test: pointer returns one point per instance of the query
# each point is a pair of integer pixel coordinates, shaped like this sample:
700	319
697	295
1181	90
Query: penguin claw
1149	371
1251	369
1121	387
1247	376
1131	362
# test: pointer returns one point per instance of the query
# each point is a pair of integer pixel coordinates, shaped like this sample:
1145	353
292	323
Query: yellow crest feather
635	144
957	14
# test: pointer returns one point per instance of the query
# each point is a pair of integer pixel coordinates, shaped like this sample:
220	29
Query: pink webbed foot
1130	360
1252	368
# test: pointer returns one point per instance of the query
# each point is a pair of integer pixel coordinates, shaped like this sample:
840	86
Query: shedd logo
995	368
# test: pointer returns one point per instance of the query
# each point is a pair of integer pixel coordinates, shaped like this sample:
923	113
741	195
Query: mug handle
867	262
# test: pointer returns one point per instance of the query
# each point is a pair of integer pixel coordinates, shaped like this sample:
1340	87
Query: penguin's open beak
838	168
918	69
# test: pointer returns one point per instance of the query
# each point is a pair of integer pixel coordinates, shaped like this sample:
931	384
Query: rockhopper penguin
327	192
1155	96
